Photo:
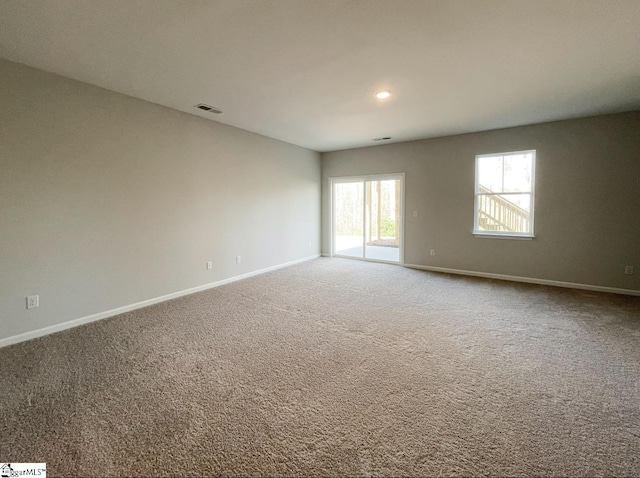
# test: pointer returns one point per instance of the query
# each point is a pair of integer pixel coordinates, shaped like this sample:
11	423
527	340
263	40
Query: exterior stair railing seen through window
498	214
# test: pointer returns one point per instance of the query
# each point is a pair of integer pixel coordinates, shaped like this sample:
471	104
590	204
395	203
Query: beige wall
106	200
587	211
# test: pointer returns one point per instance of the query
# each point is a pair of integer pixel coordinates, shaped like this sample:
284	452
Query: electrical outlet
209	265
238	259
33	301
309	243
415	213
628	270
432	252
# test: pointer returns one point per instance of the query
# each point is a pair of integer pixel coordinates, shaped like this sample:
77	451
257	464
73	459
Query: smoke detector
208	108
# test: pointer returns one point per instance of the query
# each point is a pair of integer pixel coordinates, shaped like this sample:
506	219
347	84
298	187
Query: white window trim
505	234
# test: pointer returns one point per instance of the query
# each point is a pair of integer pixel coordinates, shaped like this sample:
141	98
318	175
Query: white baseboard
529	280
145	303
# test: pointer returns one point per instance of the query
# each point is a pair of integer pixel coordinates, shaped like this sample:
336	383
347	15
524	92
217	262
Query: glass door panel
348	210
383	220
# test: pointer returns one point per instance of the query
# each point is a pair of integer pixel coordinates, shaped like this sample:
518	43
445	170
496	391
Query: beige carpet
336	367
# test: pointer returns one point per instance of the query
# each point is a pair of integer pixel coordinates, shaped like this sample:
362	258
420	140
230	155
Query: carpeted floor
336	367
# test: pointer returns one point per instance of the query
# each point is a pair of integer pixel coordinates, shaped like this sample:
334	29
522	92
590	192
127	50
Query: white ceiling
305	71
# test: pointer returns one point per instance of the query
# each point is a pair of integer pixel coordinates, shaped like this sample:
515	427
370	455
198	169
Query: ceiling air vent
208	108
386	138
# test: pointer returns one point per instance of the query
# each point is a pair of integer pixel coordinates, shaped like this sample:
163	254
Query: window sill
488	235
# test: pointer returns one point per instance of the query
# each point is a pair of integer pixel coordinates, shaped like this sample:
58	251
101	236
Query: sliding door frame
364	178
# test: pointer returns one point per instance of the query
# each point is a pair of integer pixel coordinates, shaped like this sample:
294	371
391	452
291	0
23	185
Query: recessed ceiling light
381	95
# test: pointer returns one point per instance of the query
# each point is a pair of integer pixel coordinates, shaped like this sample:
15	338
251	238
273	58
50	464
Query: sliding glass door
367	217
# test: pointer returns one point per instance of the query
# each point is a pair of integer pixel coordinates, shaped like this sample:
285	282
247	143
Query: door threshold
366	259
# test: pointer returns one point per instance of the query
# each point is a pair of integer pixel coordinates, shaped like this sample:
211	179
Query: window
504	194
